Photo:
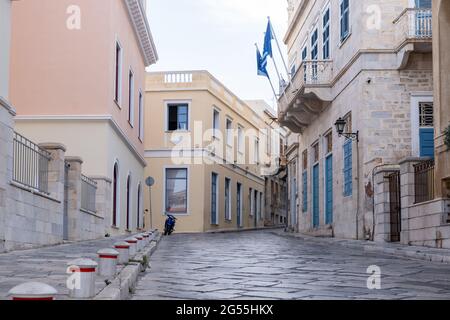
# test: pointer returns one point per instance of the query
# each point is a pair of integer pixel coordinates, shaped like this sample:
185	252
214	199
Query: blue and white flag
268	42
262	64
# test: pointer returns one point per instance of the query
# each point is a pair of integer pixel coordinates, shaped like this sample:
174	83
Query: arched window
115	194
128	200
138	212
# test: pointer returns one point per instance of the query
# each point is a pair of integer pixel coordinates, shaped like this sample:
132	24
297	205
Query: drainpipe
358	187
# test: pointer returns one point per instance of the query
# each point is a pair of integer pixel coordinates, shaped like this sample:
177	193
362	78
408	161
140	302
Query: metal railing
88	194
30	165
414	23
424	181
310	73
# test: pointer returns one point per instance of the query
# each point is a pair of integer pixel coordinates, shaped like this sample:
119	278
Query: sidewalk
395	249
49	264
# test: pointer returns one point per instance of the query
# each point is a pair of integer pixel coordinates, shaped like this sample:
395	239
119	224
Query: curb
419	253
125	282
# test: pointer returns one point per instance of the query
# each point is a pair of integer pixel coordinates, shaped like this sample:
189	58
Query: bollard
146	238
140	243
81	284
33	291
107	266
124	251
133	246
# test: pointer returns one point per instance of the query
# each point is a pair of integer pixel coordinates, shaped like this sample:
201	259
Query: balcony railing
424	181
30	166
414	24
88	194
310	73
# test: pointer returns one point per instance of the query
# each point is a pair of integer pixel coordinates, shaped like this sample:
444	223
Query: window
426	115
329	142
293	70
241	147
326	35
348	170
216	123
131	98
261	197
256	156
229	132
176	191
214	199
128	201
315	45
118	74
304	58
269	141
227	199
251	202
138	206
345	19
115	194
315	152
239	204
178	117
141	116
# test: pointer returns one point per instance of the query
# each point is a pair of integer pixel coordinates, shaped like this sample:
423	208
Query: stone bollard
81	283
33	291
124	251
107	266
133	246
140	243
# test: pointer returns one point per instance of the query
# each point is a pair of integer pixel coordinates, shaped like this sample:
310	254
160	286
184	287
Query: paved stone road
262	265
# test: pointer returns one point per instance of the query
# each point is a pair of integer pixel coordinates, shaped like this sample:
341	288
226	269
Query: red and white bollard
133	246
107	262
140	243
33	291
81	283
124	251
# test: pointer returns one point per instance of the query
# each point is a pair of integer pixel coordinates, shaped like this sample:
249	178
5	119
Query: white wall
5	27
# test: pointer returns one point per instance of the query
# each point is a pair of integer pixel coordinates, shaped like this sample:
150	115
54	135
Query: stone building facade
370	64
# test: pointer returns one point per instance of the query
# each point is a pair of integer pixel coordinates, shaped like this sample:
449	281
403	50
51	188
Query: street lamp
340	127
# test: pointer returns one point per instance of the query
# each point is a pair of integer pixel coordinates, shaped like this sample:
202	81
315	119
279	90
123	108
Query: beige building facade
368	63
79	79
208	153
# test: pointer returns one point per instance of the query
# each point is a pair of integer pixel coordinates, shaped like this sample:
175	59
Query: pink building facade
77	76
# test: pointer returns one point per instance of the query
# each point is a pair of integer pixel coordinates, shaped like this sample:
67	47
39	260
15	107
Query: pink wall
57	71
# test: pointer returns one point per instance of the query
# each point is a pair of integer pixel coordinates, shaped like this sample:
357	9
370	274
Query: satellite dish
149	181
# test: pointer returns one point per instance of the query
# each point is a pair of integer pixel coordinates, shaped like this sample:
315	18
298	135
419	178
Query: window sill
176	214
177	131
344	41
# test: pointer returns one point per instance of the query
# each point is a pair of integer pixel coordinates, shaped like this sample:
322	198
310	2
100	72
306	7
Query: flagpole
279	49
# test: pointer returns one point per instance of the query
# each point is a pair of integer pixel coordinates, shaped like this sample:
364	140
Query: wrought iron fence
30	165
424	181
88	194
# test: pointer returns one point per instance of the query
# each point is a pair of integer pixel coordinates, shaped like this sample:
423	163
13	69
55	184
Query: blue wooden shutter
427	142
305	191
348	168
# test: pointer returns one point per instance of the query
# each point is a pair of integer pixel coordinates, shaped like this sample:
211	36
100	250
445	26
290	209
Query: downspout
358	186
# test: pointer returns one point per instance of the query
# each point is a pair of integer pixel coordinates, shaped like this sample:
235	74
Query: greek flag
262	64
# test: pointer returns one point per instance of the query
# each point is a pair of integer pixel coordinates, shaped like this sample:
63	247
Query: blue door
426	142
239	205
316	216
329	190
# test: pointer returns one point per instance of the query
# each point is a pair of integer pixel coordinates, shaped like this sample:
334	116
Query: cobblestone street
263	265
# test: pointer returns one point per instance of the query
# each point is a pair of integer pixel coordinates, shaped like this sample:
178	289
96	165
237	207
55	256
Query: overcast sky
218	36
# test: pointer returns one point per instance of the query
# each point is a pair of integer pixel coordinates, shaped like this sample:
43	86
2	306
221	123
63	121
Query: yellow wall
203	93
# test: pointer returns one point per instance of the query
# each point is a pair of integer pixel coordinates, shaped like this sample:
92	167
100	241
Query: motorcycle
169	226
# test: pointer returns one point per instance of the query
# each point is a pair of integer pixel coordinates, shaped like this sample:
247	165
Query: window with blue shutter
326	35
305	191
345	19
348	168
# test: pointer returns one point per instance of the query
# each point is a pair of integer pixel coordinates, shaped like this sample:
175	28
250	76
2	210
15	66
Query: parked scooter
169	226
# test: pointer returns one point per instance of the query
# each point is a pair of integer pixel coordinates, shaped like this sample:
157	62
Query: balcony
414	29
308	94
